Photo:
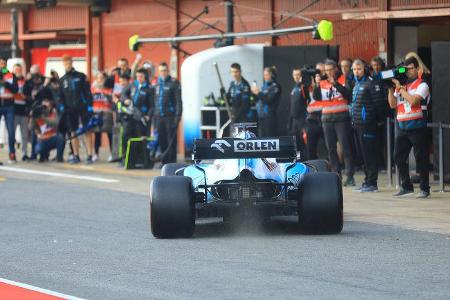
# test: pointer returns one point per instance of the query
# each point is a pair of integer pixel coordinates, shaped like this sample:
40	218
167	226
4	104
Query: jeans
367	139
8	113
43	147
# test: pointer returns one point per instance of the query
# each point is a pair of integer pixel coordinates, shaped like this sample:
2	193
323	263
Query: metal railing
441	126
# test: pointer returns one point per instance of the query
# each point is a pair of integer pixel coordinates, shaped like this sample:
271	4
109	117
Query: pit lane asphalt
95	243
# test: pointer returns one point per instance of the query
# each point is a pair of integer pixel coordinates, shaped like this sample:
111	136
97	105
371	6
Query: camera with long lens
398	72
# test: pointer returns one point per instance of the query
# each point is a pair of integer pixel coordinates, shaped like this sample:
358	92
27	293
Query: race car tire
172	207
320	203
320	165
171	168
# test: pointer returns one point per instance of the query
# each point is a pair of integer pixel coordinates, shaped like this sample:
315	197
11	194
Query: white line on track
54	174
39	290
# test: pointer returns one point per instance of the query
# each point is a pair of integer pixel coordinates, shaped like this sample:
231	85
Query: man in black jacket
367	111
239	96
76	104
136	108
297	109
167	113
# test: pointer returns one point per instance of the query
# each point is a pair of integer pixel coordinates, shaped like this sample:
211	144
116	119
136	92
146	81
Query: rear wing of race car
234	148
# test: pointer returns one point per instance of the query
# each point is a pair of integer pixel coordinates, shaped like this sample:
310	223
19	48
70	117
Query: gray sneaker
359	188
369	189
403	193
423	195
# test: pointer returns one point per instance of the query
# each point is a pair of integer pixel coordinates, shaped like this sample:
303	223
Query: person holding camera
167	113
76	107
267	100
44	124
136	108
8	87
367	111
408	99
314	130
297	109
334	92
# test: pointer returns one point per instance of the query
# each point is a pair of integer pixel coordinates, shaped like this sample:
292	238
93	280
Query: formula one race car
230	176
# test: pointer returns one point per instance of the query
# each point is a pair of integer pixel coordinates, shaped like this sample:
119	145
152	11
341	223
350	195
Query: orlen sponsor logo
256	145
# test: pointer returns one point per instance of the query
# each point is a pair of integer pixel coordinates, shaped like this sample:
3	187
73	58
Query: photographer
412	122
367	111
167	113
335	92
136	108
44	124
266	104
314	131
8	87
36	91
76	106
297	109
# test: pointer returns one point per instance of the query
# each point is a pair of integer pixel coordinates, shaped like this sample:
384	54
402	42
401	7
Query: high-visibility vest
19	97
101	99
406	111
332	100
5	92
46	131
313	105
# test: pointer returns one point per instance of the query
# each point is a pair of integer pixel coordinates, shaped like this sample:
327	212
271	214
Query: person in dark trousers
367	110
412	122
76	105
44	123
314	130
8	87
136	108
21	110
377	65
297	109
267	100
168	109
335	92
239	96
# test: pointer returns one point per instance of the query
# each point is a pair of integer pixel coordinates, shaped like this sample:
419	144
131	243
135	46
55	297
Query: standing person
334	92
8	87
136	107
76	104
314	130
267	102
412	122
239	95
297	109
102	105
346	69
367	109
377	65
168	109
121	70
21	109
